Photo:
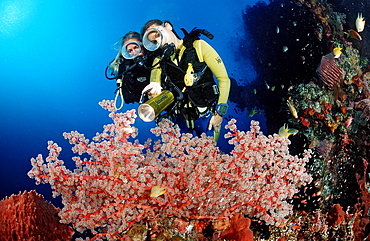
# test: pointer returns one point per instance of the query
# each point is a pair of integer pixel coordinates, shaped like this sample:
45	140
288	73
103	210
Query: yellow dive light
153	107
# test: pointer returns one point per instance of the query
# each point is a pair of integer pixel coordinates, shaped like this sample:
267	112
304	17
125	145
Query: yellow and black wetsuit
206	55
201	98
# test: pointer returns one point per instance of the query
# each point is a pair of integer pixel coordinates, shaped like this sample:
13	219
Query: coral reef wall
286	46
328	92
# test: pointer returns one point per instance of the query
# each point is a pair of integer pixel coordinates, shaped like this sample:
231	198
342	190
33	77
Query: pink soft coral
110	188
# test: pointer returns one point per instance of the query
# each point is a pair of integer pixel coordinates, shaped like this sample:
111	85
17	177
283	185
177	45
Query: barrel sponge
27	216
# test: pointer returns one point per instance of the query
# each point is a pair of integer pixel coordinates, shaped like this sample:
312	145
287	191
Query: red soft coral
336	215
239	229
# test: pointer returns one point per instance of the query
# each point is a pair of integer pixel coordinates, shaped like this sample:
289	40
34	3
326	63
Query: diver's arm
154	87
214	62
155	75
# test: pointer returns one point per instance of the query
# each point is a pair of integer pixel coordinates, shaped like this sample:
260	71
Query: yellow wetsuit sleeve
214	62
155	74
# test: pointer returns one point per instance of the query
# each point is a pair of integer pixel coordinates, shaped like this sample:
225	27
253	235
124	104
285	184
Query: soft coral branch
111	189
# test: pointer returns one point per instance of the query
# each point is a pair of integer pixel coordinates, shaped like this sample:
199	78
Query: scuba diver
129	69
186	68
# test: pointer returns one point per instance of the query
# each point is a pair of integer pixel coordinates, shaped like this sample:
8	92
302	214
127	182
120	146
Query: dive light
153	107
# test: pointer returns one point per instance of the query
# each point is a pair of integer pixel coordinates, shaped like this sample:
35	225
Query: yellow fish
337	52
360	23
157	191
292	109
284	131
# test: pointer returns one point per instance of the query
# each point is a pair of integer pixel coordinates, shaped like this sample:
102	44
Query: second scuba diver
129	69
186	68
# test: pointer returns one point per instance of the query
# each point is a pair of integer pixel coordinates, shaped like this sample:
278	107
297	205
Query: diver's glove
215	123
153	89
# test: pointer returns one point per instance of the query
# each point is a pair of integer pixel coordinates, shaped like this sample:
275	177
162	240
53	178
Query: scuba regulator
140	61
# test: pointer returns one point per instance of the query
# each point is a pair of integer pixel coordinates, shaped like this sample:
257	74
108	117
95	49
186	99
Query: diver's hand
153	89
215	123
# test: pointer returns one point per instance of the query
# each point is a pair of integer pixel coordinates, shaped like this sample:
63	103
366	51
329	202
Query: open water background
52	60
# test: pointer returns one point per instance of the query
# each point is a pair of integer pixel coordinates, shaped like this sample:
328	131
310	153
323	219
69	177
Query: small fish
294	23
292	109
252	112
353	34
273	88
295	227
267	85
360	23
337	52
284	131
255	91
348	122
285	48
157	191
277	29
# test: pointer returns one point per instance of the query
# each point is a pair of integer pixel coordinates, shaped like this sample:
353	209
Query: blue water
52	60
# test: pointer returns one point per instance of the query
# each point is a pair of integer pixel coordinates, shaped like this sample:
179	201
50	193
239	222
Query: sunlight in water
13	16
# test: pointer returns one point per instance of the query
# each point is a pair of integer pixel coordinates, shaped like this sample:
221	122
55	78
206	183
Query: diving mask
153	39
131	49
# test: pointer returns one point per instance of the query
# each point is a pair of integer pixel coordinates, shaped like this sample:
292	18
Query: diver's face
160	34
132	49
